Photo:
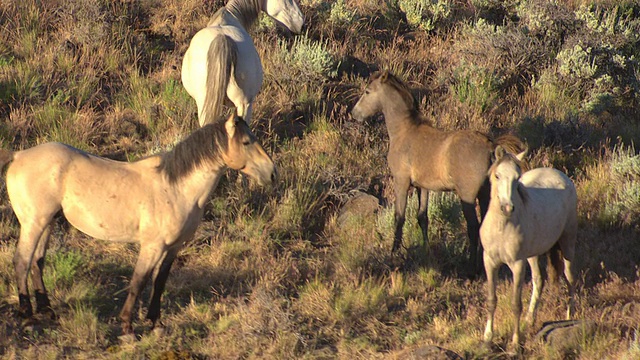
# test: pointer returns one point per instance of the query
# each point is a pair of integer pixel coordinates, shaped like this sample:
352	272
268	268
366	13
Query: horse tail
221	62
555	265
6	156
512	144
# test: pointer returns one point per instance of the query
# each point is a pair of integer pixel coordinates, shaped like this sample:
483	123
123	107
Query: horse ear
524	153
384	77
499	152
230	125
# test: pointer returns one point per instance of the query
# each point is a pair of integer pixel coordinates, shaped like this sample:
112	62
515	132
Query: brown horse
157	201
430	159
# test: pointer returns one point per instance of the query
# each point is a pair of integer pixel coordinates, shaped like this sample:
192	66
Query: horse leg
401	190
518	269
43	306
160	275
245	110
423	216
473	232
491	269
30	234
538	284
567	246
147	260
484	196
571	285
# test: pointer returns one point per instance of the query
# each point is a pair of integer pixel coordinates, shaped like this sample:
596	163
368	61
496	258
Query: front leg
159	279
491	270
518	269
147	260
473	232
401	190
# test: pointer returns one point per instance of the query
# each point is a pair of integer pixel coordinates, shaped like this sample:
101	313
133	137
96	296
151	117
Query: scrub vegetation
277	273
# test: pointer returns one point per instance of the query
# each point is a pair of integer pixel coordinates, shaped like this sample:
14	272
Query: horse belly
102	218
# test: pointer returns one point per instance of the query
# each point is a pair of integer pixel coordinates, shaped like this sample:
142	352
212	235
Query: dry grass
272	273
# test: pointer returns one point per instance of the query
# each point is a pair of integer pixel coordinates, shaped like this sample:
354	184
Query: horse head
370	103
385	91
245	153
505	179
286	12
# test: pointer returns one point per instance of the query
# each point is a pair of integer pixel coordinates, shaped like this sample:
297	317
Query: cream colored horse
157	201
529	215
222	62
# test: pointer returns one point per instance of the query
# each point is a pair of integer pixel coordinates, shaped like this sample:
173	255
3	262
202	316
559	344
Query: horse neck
397	115
246	11
196	187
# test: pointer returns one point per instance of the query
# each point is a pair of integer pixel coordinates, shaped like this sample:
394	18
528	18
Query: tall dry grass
274	274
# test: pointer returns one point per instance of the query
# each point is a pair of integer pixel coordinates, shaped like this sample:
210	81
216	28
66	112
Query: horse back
467	156
552	201
441	160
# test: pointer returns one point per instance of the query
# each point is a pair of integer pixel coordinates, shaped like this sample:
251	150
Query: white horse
222	62
529	215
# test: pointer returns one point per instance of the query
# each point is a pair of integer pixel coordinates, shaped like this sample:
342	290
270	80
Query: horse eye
246	142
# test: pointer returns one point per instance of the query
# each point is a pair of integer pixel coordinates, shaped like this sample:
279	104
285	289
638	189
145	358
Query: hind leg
43	305
538	284
423	216
571	285
30	234
567	244
473	231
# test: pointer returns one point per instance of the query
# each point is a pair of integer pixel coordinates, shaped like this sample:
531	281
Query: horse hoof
159	331
127	338
48	314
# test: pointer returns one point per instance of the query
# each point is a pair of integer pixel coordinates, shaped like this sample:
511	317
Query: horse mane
203	145
217	15
247	11
405	94
512	144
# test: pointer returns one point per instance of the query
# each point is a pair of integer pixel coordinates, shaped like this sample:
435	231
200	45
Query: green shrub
62	268
475	86
426	14
310	58
340	14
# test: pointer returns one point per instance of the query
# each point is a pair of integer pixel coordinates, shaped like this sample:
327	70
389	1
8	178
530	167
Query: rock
361	205
567	334
427	352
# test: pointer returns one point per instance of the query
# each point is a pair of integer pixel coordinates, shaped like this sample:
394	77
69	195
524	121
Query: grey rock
360	205
567	334
428	352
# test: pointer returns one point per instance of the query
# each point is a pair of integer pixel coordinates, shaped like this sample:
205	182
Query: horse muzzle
507	209
357	115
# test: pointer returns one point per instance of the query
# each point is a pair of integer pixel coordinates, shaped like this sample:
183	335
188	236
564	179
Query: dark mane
203	145
407	96
246	11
